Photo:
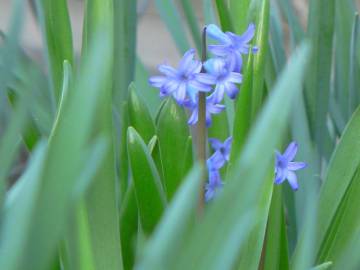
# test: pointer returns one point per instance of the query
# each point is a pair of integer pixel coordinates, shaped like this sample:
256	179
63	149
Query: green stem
201	129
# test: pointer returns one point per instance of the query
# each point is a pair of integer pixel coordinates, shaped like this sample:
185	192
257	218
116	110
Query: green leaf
172	19
191	20
139	116
321	30
125	21
55	23
219	128
173	133
162	248
323	266
239	11
250	254
275	244
261	40
344	225
208	11
224	15
354	93
344	14
129	227
339	181
78	243
214	245
101	199
296	31
150	196
67	149
242	113
21	202
10	143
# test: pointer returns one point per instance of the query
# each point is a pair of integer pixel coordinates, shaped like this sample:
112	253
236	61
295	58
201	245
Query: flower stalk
201	129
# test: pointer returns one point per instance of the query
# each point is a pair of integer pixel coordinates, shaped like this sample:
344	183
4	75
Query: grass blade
341	170
149	193
139	116
55	23
168	238
172	132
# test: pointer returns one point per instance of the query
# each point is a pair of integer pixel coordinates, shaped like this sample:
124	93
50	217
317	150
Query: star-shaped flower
211	108
220	73
285	167
221	154
231	46
180	82
214	184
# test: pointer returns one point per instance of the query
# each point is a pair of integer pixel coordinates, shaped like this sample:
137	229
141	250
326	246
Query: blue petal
209	194
235	77
217	160
219	50
206	78
157	81
193	117
231	90
193	68
294	166
168	70
215	66
218	93
170	86
215	143
248	35
280	176
180	93
291	151
199	86
214	32
186	61
292	179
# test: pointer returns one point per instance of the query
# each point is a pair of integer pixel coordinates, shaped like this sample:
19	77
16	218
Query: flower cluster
216	76
214	163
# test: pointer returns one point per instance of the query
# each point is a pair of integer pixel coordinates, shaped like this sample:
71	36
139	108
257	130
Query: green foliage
97	173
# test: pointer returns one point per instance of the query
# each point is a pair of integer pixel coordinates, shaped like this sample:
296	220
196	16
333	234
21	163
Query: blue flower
211	108
180	82
231	46
220	73
285	167
221	154
213	185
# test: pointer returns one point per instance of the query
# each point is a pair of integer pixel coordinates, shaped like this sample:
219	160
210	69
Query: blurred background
154	42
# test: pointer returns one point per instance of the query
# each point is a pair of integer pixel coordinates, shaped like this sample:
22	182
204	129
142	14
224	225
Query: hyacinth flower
231	46
221	154
220	73
211	108
180	82
285	167
213	185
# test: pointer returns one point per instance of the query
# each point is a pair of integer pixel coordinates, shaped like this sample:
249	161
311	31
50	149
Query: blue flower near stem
214	185
221	154
231	46
211	108
220	73
180	82
285	167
